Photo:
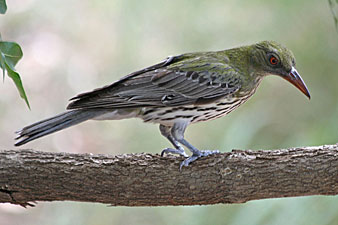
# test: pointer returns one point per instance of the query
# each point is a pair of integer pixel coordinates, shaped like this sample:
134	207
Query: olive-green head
271	58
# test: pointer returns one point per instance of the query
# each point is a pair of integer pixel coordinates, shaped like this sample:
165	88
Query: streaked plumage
181	90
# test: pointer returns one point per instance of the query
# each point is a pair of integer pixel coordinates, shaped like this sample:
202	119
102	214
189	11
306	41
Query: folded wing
165	84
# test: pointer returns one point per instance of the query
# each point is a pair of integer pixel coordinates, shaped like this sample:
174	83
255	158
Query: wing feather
164	85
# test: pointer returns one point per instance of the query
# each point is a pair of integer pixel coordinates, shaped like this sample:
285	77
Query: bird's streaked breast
197	113
192	113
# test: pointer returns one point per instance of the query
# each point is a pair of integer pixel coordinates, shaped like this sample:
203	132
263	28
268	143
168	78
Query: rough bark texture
151	180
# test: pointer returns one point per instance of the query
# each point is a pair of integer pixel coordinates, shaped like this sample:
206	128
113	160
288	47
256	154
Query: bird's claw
174	151
196	156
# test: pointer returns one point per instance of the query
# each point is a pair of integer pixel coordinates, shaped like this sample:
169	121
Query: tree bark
27	176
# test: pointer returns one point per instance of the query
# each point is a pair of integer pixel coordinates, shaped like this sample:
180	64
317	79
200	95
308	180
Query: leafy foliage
3	7
10	54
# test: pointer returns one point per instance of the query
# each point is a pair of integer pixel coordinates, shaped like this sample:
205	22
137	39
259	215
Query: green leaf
17	81
3	6
11	51
2	65
10	54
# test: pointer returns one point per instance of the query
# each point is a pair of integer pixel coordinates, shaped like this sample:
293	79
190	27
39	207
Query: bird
179	91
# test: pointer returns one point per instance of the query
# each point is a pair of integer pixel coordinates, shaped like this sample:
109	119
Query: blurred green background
72	46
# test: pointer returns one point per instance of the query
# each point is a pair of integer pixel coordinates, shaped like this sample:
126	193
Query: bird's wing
174	82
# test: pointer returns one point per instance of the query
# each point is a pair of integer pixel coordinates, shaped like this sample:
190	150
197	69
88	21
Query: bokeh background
72	46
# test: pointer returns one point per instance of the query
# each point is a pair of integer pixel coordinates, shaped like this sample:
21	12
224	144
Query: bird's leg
177	132
166	132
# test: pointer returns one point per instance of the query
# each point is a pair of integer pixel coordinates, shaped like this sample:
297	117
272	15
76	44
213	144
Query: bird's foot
179	151
197	155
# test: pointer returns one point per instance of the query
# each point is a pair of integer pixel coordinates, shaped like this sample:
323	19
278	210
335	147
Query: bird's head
270	57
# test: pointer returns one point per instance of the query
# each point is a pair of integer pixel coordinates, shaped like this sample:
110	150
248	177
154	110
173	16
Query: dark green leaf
10	54
17	81
3	6
2	65
11	51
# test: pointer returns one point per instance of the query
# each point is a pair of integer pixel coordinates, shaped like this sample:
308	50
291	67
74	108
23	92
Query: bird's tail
54	124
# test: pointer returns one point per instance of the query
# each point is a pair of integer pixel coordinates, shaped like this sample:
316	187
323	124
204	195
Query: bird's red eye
273	60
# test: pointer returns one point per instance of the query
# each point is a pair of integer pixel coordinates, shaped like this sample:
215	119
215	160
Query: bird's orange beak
294	78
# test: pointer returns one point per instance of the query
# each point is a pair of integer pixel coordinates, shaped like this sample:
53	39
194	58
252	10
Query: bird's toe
199	154
174	151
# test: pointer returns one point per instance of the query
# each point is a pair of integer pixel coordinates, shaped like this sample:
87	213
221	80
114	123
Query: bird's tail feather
54	124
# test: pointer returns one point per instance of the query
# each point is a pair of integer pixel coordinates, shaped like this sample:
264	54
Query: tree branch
151	180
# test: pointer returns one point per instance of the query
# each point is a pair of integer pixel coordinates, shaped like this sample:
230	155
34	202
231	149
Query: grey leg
166	132
177	132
